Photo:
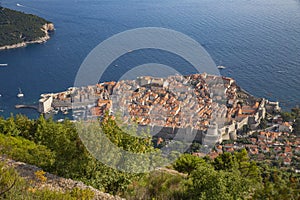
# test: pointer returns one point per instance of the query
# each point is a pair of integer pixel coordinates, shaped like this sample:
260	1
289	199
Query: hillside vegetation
13	186
17	27
57	148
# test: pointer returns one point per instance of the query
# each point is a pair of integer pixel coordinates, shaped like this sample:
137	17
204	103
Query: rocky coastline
46	28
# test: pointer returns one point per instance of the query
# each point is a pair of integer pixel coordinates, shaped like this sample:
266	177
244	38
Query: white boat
221	67
20	94
55	111
64	110
3	64
65	113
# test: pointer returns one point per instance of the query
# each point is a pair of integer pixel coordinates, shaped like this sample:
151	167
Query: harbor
193	103
144	99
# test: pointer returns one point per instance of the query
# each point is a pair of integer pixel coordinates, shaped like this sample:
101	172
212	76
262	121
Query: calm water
258	41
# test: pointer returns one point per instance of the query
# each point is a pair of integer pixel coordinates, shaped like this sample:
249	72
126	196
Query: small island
18	29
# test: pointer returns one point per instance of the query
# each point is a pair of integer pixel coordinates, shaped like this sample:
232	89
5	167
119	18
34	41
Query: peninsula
18	29
199	102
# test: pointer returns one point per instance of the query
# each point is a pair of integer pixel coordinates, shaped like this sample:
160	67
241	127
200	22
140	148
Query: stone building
45	104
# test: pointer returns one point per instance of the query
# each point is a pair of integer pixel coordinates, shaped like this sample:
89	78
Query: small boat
60	120
20	94
64	110
55	111
221	67
19	5
3	64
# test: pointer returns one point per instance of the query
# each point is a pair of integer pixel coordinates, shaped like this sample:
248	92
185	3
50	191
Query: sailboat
20	94
221	67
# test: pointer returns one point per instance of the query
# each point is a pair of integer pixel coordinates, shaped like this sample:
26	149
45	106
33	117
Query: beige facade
45	104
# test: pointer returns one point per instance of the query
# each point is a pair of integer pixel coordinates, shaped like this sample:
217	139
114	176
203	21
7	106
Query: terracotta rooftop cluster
177	101
280	146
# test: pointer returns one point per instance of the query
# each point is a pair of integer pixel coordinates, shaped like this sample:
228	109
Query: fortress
204	107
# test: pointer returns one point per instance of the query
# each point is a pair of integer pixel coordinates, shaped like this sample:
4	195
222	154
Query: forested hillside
17	27
57	148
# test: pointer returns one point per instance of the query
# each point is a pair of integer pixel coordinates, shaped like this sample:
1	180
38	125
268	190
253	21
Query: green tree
26	151
225	161
206	183
9	126
287	116
157	185
187	163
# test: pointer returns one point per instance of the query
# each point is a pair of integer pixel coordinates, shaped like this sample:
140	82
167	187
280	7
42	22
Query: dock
35	107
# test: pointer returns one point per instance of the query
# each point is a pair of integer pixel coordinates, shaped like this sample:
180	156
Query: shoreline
49	27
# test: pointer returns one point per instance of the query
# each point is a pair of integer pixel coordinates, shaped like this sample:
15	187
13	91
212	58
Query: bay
257	40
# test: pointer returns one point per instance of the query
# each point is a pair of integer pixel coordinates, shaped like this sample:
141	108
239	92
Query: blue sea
257	40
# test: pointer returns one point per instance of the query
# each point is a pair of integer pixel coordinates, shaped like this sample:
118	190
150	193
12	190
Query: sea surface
257	40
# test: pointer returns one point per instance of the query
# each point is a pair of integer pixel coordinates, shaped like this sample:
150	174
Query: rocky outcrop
50	27
54	182
46	28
